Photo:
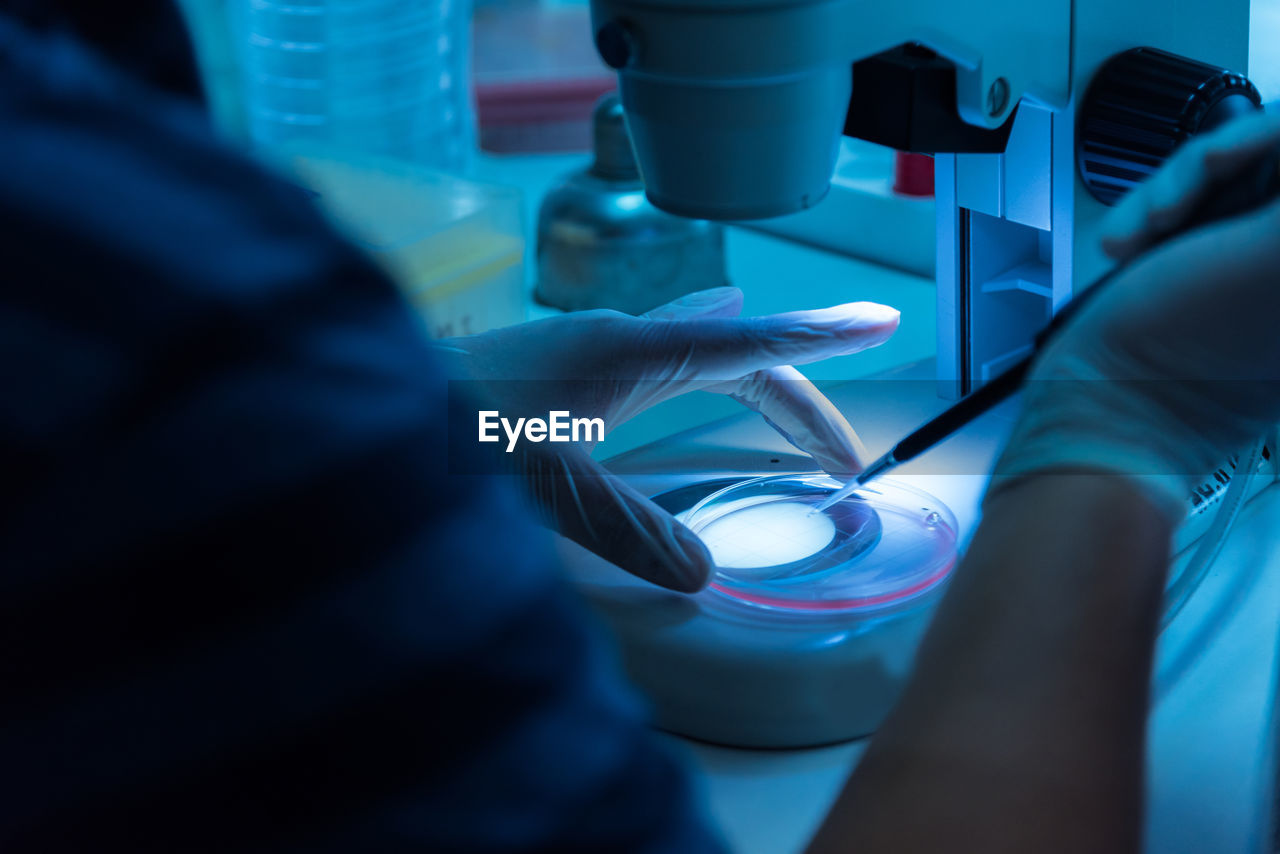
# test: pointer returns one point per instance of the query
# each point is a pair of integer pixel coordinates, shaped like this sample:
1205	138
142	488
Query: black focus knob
615	45
1144	103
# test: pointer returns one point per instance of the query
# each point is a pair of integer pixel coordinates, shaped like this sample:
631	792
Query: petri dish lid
884	545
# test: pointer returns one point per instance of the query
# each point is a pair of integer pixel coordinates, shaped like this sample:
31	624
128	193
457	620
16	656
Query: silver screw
997	97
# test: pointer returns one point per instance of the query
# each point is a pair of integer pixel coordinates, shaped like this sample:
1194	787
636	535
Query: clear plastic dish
882	546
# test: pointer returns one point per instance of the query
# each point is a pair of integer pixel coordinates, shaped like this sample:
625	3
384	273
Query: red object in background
537	76
540	115
913	174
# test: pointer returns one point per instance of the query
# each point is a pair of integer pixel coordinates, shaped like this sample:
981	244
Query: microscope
1039	116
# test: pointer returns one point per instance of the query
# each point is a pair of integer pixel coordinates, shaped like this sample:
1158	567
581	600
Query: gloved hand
1176	365
610	365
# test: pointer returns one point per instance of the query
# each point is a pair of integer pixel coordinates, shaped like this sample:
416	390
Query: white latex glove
611	365
1176	365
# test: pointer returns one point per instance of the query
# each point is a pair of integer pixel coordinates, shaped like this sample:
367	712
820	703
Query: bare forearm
1022	726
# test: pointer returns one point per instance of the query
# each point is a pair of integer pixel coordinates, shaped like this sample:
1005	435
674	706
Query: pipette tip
877	468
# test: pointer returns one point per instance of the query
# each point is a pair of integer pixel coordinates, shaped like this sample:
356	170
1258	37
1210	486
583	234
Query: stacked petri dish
374	77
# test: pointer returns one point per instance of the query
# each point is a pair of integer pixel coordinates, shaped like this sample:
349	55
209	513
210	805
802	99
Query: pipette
1253	188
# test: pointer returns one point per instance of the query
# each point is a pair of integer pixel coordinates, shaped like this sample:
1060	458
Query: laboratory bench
1211	744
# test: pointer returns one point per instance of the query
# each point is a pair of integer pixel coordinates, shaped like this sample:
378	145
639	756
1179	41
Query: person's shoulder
110	173
45	68
65	109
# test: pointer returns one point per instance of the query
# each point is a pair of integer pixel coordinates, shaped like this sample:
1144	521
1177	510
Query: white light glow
767	535
629	201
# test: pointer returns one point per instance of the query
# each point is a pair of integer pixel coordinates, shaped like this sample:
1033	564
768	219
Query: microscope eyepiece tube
735	108
736	149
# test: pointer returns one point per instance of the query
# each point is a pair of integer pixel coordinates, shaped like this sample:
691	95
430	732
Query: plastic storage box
455	246
379	77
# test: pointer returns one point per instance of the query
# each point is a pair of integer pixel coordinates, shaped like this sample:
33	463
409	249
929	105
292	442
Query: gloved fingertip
1117	247
1123	230
868	323
877	314
882	326
843	458
691	567
841	466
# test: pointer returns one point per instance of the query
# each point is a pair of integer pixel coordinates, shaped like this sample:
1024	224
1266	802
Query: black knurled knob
1144	103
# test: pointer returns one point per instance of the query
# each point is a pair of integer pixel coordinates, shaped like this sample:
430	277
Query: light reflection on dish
762	536
880	547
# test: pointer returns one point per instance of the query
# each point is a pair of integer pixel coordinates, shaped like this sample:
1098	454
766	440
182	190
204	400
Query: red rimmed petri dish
882	547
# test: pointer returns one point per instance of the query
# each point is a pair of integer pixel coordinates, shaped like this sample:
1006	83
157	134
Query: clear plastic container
455	246
376	77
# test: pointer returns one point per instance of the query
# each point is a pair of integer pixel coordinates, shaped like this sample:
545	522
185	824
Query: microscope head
735	107
748	151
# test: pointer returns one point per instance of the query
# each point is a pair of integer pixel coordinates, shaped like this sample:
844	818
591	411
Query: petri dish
883	546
